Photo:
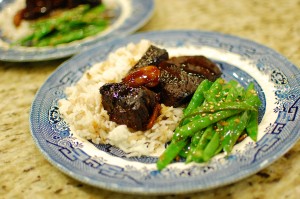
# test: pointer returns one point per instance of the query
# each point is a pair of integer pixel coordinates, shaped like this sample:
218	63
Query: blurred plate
130	15
276	79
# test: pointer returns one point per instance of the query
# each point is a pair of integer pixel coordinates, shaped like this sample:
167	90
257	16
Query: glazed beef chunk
180	77
152	57
127	105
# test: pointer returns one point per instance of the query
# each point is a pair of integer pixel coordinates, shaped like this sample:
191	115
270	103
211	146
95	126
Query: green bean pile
70	25
218	114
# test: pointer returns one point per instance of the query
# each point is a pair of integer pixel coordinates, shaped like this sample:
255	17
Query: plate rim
245	173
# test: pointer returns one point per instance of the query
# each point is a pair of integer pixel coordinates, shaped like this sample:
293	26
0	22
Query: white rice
83	110
9	30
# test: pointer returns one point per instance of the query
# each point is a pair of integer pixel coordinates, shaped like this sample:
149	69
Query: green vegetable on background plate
70	25
218	114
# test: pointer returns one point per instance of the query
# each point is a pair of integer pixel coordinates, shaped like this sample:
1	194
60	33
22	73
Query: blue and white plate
276	79
129	16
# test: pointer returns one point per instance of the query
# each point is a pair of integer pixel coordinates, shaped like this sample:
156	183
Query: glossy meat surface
132	106
180	77
153	56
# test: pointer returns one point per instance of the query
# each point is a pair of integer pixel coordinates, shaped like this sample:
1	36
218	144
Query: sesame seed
237	120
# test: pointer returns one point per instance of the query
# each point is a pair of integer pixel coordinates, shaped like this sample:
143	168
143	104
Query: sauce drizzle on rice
83	110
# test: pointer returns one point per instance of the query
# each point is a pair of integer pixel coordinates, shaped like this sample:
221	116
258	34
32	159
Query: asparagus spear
74	24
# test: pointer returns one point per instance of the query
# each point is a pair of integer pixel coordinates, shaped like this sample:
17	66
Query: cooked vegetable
170	153
236	125
198	96
217	116
197	151
214	91
217	106
252	127
70	25
202	122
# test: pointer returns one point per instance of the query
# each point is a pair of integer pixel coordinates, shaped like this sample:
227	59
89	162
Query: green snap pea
196	153
184	151
234	94
215	107
214	91
170	153
236	125
226	89
252	127
194	126
198	97
212	147
193	144
251	96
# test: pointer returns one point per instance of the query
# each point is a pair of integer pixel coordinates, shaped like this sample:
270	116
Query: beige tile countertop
25	173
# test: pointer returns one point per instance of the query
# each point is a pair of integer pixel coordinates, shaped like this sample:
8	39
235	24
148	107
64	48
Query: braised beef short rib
152	57
180	77
128	105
